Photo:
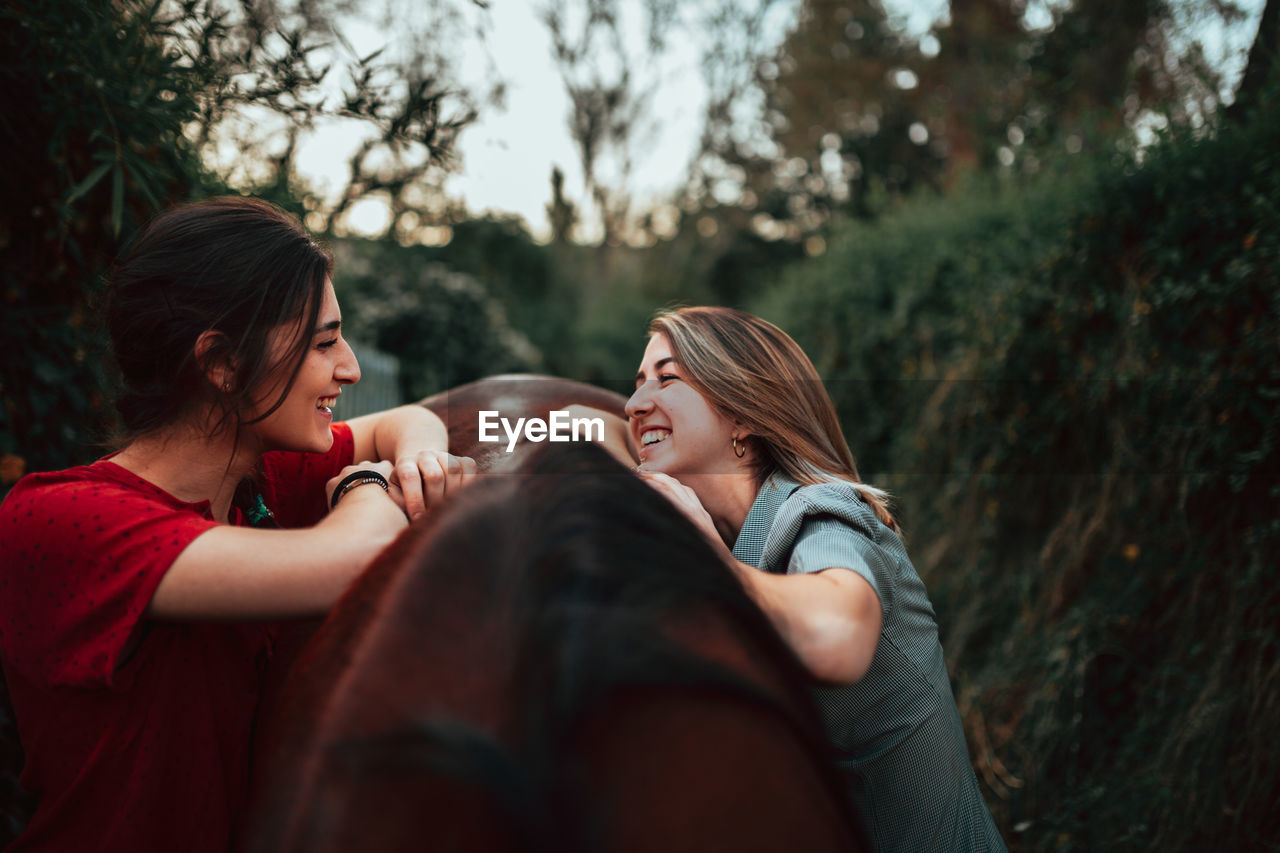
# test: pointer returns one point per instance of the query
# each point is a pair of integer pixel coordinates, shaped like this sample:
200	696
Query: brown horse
513	396
556	661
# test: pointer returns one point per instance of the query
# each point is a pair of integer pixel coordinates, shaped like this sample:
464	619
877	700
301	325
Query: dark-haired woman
732	423
129	588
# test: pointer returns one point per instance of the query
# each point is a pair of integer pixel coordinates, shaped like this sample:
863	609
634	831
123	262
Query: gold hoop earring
739	451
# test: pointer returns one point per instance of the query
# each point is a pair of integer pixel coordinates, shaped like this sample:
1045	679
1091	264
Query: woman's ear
213	356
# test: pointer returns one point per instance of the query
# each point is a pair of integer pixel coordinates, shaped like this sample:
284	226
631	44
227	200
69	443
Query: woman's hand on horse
427	477
685	500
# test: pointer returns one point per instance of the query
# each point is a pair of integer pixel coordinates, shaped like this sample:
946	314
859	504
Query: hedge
1072	387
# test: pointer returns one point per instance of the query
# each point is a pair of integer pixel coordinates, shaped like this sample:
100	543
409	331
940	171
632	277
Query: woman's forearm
830	619
396	433
243	573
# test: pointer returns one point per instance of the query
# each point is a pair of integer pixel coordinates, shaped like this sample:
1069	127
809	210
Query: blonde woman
731	422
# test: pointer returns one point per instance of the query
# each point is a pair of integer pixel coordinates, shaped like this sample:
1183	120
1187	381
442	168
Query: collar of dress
749	547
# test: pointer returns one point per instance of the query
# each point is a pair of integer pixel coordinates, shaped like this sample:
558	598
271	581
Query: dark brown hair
239	266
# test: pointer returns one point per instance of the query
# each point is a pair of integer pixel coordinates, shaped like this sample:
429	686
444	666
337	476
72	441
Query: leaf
87	184
141	180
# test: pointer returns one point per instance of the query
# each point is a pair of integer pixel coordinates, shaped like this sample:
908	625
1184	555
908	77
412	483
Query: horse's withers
556	661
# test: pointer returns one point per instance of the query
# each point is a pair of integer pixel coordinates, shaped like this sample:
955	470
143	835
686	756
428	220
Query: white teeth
652	436
327	403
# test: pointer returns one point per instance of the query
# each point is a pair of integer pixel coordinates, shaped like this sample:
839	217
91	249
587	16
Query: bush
96	151
442	324
1073	390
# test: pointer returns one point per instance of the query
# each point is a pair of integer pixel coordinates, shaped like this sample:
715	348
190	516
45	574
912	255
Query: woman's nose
347	370
640	402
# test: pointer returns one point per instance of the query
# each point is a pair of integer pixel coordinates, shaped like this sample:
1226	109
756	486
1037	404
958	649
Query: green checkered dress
897	735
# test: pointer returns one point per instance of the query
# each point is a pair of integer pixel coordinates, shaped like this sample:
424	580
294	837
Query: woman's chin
649	465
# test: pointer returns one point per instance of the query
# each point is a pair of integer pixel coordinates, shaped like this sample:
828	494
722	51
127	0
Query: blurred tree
92	130
852	110
607	101
561	212
443	325
1260	71
285	72
839	98
527	279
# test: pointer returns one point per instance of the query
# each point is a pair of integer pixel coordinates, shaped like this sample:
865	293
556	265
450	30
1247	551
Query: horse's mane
575	590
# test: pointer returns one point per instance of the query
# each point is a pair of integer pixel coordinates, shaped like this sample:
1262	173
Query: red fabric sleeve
293	483
83	554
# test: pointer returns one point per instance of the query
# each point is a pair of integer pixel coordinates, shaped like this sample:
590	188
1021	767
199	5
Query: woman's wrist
355	480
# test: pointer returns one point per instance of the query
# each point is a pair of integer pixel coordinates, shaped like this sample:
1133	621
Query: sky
505	158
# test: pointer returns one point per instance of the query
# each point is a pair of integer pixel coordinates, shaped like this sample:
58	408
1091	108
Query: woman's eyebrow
657	365
331	326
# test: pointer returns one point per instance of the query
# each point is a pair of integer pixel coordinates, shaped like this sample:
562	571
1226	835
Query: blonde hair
755	374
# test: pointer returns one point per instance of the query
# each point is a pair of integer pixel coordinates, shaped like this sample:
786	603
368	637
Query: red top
150	750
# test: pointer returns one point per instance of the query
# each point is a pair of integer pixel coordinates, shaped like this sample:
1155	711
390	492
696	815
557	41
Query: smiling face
676	430
302	421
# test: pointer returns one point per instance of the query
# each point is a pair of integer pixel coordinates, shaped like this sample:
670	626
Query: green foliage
519	274
850	108
885	311
96	151
1073	390
442	324
605	296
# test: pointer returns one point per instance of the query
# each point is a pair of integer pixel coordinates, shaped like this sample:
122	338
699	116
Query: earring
739	451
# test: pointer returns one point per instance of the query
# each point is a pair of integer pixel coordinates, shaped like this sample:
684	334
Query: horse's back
558	662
